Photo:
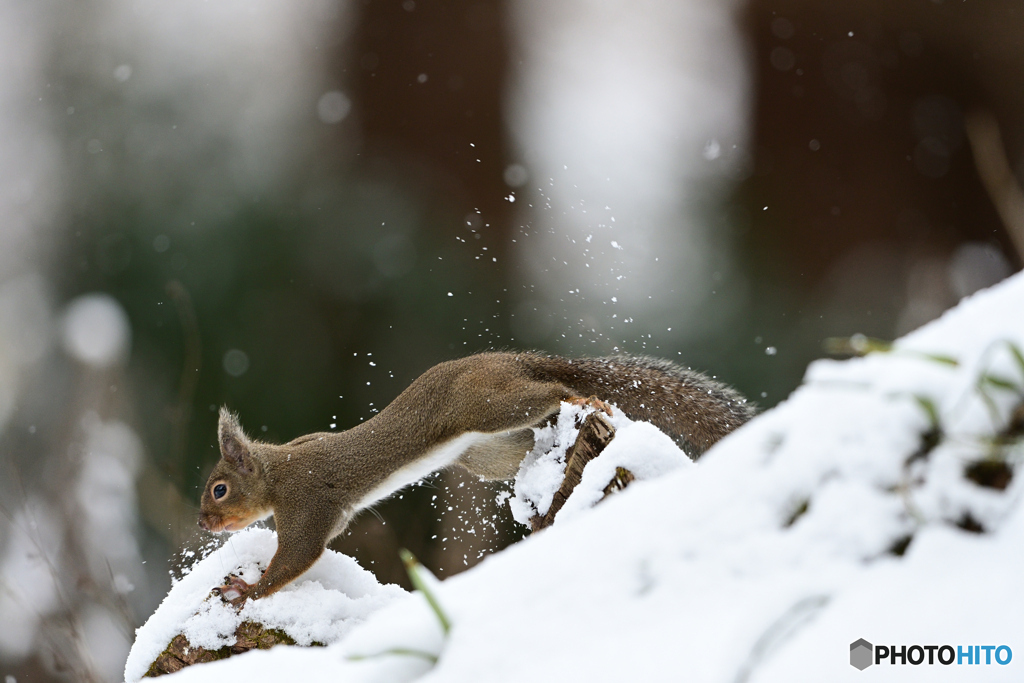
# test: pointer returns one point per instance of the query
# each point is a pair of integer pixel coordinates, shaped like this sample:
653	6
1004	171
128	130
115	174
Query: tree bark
595	434
249	636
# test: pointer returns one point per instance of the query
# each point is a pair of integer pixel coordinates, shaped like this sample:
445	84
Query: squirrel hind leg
592	402
498	458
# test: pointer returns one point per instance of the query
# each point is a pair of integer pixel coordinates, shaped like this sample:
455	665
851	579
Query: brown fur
315	484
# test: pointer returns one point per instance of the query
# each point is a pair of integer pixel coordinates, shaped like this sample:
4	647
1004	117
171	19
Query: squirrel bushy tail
692	408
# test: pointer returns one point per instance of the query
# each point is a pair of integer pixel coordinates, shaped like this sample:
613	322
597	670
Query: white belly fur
431	461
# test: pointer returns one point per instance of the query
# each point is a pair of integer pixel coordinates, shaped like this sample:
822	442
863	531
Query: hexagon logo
861	654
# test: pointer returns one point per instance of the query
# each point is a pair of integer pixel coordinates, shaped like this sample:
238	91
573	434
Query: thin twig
86	670
996	174
781	630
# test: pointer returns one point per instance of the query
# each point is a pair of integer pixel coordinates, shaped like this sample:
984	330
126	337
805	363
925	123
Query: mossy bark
249	636
621	480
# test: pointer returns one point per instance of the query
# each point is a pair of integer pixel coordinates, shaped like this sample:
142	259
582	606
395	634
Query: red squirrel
478	412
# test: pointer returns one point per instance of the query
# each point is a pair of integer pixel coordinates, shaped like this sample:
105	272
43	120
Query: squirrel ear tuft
234	444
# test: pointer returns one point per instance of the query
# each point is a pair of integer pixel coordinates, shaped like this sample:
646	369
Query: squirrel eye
219	491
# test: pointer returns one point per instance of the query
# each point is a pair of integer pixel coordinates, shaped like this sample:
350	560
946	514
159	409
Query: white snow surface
322	606
763	561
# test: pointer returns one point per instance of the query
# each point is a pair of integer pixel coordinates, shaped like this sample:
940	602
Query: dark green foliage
799	512
900	545
991	473
968	523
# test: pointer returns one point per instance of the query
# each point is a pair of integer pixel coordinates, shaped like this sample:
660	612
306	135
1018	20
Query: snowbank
321	607
843	513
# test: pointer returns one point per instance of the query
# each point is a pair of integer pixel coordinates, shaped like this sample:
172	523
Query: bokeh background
293	208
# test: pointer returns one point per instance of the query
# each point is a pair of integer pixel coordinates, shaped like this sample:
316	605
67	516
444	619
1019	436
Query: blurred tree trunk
427	82
859	126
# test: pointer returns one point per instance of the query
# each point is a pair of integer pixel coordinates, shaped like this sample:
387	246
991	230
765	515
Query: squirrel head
235	494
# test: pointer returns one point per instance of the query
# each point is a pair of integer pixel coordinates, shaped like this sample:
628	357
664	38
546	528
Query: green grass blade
399	651
415	570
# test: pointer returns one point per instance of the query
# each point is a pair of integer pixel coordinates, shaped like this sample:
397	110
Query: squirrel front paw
235	591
